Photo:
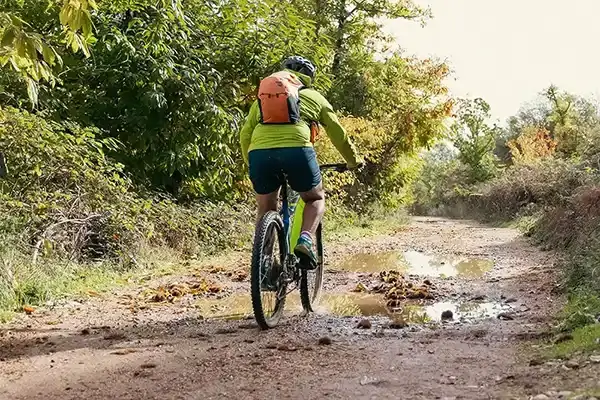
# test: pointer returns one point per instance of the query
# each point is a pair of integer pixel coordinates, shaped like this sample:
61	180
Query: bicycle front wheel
268	285
311	282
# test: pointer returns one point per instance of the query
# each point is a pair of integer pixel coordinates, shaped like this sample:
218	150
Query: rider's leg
304	177
265	176
313	213
314	209
266	202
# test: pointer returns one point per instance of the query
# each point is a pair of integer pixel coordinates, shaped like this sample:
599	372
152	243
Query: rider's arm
252	120
338	135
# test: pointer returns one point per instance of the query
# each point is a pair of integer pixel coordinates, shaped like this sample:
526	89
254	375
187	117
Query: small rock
142	374
85	331
379	333
123	352
325	341
365	380
364	324
572	364
535	362
114	336
565	394
505	316
447	315
478	297
563	337
540	397
510	300
285	347
225	331
398	324
148	365
595	359
430	351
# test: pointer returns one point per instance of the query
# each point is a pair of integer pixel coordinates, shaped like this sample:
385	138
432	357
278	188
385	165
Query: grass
584	341
343	226
35	285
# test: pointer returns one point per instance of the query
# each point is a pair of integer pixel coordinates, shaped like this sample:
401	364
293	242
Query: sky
508	51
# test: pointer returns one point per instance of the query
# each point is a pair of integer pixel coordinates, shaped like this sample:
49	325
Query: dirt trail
116	347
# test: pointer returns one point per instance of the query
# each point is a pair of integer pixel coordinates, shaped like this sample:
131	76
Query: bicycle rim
268	288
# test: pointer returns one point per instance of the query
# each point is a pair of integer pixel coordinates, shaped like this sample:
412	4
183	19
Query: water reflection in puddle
356	304
417	263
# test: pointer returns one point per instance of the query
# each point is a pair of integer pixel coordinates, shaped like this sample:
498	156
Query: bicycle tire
270	222
310	295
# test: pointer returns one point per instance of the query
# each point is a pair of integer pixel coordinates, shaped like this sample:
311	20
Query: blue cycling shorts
299	164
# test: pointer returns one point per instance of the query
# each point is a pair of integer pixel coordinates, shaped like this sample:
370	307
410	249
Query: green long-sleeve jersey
313	107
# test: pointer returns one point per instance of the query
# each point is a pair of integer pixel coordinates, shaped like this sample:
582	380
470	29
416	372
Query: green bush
66	199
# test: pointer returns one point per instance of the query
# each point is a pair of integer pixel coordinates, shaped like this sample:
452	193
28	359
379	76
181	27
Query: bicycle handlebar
334	167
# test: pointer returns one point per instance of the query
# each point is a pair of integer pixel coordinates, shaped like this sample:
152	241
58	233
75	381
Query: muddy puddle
416	263
358	304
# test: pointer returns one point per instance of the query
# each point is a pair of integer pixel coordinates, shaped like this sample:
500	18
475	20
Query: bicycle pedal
307	264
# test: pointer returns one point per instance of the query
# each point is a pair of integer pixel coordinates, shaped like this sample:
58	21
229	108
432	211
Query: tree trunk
338	49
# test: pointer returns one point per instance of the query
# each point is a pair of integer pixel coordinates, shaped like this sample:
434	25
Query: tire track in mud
118	347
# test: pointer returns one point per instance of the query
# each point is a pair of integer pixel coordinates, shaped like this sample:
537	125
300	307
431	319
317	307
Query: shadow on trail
33	342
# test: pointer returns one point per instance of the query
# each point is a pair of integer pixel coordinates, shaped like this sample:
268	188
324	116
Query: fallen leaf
28	310
360	288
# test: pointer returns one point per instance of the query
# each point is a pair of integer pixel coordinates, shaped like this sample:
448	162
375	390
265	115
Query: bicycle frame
291	213
292	220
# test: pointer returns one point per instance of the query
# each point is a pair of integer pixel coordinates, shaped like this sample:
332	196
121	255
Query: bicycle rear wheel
311	282
268	286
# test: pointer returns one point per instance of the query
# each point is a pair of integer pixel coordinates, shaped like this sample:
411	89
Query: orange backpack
279	98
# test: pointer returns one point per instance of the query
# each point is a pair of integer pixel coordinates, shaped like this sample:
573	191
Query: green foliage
442	177
67	198
475	139
31	54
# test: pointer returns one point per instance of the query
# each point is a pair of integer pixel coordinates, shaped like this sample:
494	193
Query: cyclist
278	136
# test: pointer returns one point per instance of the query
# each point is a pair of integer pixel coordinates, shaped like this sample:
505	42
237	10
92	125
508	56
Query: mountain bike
275	270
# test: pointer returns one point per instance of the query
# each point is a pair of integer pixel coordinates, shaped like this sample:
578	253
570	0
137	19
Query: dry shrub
574	222
541	185
533	144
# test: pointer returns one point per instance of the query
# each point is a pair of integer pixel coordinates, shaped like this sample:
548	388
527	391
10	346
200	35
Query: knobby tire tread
270	218
308	296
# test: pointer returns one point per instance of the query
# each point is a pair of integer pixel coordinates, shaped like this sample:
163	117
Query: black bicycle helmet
300	65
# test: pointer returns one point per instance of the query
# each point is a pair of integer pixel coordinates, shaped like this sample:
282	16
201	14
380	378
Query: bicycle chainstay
291	275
